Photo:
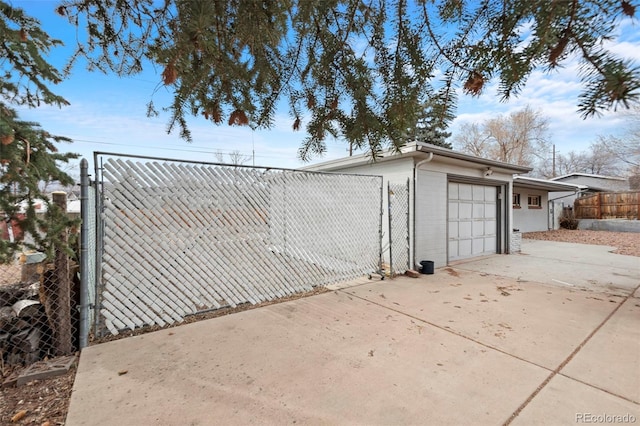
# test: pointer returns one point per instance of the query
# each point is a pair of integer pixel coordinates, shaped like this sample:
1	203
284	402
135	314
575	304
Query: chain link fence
38	306
164	239
179	238
398	200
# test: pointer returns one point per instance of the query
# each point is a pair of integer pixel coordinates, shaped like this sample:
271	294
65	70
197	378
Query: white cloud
626	50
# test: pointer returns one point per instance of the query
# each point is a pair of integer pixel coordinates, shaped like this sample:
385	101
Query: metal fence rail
180	238
88	249
398	227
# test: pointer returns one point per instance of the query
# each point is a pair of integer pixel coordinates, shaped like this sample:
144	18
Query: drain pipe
415	186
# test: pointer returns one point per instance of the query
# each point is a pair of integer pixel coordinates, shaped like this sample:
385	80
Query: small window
534	202
516	200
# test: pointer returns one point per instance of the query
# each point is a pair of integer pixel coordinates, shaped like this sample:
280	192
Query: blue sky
108	113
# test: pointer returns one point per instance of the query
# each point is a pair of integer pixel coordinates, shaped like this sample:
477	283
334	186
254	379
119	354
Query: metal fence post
391	268
408	228
381	231
84	253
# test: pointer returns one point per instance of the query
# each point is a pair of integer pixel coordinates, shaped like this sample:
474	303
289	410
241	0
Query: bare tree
596	160
601	160
471	139
235	157
625	150
570	162
519	138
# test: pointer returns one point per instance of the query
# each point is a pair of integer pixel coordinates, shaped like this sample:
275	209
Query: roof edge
410	150
589	175
445	152
544	184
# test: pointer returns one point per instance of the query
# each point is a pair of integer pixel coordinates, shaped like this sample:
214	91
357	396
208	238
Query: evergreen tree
432	123
357	69
28	154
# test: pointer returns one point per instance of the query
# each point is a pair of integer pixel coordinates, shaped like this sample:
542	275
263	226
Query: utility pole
554	160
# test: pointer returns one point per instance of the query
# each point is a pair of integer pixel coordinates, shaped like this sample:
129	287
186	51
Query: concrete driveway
550	336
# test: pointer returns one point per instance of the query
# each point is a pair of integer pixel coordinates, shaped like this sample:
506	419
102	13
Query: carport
537	203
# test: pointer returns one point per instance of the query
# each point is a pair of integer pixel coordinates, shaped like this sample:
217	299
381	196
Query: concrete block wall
516	242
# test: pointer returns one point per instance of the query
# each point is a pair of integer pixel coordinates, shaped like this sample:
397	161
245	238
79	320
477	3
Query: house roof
544	185
602	183
587	175
419	150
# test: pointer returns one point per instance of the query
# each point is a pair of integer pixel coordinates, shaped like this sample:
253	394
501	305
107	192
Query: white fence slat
234	296
145	229
182	237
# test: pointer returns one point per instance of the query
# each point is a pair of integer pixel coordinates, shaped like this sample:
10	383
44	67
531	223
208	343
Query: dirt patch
452	272
627	243
38	402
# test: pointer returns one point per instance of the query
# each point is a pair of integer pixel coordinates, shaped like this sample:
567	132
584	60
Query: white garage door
472	220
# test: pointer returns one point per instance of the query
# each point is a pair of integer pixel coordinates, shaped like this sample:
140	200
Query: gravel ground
46	401
627	243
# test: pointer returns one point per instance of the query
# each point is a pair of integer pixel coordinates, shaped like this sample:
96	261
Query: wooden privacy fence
608	205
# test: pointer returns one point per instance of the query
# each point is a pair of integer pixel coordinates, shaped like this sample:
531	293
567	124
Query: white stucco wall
528	219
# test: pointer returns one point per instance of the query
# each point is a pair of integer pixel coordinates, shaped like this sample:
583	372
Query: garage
459	204
472	220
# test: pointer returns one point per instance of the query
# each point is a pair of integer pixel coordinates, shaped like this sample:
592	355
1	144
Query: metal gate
398	200
177	238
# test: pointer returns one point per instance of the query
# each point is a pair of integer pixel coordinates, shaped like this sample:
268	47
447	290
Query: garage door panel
465	191
479	211
454	211
490	244
465	210
490	228
453	230
453	248
464	248
490	211
478	229
478	193
490	193
472	220
464	229
453	191
478	245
